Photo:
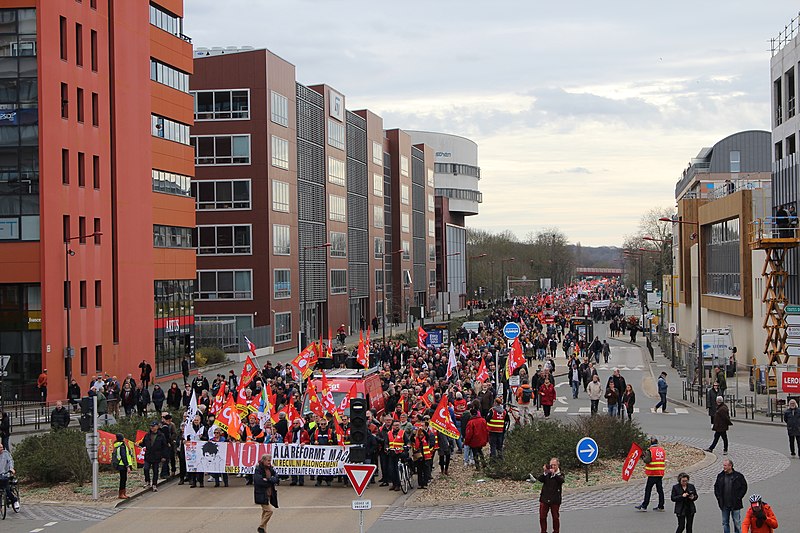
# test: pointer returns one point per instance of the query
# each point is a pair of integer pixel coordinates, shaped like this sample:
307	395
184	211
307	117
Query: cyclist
397	444
6	468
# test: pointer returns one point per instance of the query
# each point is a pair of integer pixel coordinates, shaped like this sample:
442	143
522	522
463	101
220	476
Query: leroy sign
790	382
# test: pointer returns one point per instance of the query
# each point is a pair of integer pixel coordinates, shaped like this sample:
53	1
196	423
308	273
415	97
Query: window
281	240
377	184
378	248
224	240
378	279
79	44
66	228
98	358
431	252
82	230
221	149
431	204
83	294
338	281
163	19
403	165
65	166
430	178
280	152
221	195
338	244
377	216
736	163
280	109
453	168
404	194
406	247
722	258
280	196
171	77
282	288
336	134
97	231
283	327
431	228
93	45
405	226
377	153
221	105
64	101
62	26
98	293
79	97
96	171
337	209
81	169
95	110
432	277
169	129
84	360
172	183
172	236
336	171
225	284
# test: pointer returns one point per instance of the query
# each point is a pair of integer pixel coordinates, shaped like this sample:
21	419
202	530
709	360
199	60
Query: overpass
582	272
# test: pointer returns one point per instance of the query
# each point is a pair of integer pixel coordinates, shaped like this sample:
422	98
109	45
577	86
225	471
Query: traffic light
358	429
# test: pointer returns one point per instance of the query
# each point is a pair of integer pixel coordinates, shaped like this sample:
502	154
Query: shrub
129	425
54	457
209	355
613	436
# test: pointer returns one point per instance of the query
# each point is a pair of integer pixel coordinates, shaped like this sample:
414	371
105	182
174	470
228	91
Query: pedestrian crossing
623	368
572	410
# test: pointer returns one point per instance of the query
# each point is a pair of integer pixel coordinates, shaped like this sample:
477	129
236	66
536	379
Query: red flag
327	396
429	397
329	350
291	412
313	400
464	350
441	421
250	346
411	374
249	371
483	372
362	358
219	399
515	358
630	462
345	404
228	419
452	363
422	335
305	361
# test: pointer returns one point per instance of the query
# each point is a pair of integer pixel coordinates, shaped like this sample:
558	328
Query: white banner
287	459
600	304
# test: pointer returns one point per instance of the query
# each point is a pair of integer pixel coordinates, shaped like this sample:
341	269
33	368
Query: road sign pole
361	521
586	469
95	466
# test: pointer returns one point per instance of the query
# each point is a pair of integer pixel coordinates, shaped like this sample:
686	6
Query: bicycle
404	473
4	501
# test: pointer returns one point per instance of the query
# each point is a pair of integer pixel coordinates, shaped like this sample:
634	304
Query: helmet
755	498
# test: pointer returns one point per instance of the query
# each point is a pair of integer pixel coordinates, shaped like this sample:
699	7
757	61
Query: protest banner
287	459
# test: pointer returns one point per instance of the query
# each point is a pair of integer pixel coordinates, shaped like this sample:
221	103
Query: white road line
37	530
562	383
561	409
562	400
681	411
50	524
584	410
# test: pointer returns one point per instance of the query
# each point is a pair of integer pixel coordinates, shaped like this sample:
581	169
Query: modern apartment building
83	127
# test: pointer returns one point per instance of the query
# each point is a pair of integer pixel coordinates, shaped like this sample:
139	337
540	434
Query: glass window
338	244
403	165
222	104
163	19
377	153
404	222
221	149
171	237
224	284
379	247
736	163
281	240
280	152
431	204
404	197
336	171
338	281
282	285
283	327
431	228
722	257
224	240
377	184
337	208
377	216
406	247
280	196
432	277
169	76
169	129
280	109
431	252
430	178
171	183
336	134
378	279
221	195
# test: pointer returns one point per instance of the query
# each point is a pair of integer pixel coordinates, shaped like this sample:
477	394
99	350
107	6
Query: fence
261	336
216	333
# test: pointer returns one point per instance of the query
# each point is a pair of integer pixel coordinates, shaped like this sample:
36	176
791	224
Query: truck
340	381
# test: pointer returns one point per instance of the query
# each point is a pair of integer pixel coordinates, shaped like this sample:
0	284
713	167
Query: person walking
759	517
654	464
550	496
606	351
185	370
612	397
5	428
155	452
662	393
711	400
122	459
684	495
722	421
496	424
41	384
628	401
59	417
595	391
547	393
476	437
791	418
730	488
525	403
265	492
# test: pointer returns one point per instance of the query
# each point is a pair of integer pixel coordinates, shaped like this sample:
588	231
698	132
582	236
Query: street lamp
69	352
469	270
454	254
383	289
503	273
303	293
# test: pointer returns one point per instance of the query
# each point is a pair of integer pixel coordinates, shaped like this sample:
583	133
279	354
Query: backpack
527	394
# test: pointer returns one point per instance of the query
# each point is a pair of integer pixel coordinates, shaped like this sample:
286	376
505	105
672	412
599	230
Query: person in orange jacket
759	517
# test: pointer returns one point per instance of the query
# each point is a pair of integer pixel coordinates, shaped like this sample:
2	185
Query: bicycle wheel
3	504
15	492
404	481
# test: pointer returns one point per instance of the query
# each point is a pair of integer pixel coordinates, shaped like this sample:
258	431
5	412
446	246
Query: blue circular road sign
511	330
587	450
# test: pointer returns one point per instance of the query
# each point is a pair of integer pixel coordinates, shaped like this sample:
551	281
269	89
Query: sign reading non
511	330
587	450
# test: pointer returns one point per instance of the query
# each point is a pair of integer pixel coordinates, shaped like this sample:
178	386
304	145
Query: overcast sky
585	113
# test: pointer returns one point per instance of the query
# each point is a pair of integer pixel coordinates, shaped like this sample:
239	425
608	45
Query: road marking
50	524
562	400
206	508
584	410
37	530
562	383
681	411
561	409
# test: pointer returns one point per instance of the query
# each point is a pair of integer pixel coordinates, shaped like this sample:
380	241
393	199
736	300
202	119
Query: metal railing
773	228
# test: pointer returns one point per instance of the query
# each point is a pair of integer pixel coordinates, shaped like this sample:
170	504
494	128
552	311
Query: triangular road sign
359	476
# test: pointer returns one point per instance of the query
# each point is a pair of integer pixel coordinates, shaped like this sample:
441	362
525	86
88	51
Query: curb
142	491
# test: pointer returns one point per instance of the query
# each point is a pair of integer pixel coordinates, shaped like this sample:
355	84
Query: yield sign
359	476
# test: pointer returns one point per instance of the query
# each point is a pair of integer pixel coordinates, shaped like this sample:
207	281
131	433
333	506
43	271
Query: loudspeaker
358	429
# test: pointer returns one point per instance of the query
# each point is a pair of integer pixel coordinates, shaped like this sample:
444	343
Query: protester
628	401
5	428
265	491
476	437
791	418
711	400
612	397
759	517
155	452
547	392
655	463
722	421
122	460
684	495
550	496
59	416
6	471
730	488
662	393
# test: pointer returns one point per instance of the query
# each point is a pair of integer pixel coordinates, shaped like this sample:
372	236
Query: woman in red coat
548	394
476	436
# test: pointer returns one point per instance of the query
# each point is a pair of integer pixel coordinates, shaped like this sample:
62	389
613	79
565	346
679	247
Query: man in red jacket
476	437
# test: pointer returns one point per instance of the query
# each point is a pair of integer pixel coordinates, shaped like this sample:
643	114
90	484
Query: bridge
596	271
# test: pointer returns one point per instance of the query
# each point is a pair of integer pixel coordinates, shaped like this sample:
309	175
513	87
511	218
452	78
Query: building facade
83	128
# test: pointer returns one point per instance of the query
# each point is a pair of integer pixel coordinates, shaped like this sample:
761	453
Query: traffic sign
362	505
673	328
587	450
794	351
793	331
4	373
792	309
359	476
4	359
793	320
511	330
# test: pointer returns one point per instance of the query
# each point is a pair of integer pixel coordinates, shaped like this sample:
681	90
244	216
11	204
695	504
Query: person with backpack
759	517
525	401
122	460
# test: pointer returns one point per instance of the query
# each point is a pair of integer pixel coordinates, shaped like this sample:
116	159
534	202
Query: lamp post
664	243
503	273
383	289
469	271
69	351
454	254
492	291
303	293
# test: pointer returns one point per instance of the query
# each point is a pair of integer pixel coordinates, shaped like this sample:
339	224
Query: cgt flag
515	358
422	336
483	372
249	371
441	421
630	462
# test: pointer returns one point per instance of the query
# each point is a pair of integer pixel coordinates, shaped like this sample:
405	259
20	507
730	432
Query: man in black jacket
156	451
729	488
550	497
59	417
265	493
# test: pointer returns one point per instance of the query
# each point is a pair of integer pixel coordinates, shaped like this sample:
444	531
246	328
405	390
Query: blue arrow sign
511	330
587	450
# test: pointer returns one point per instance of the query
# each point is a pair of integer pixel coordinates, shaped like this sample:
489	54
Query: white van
473	326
